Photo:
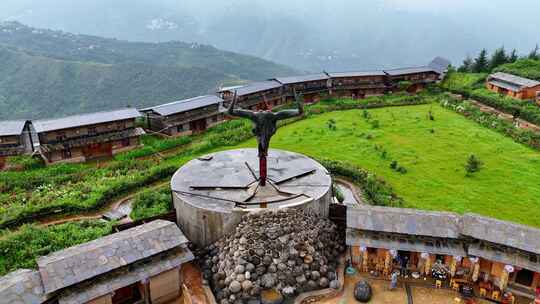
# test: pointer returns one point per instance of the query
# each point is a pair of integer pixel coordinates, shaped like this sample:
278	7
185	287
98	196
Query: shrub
151	202
473	165
375	124
20	249
393	165
26	162
376	190
338	193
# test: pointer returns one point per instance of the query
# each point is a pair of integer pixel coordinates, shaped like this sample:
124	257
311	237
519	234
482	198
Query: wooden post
262	170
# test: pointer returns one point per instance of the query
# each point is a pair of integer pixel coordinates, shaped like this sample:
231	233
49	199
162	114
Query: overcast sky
310	34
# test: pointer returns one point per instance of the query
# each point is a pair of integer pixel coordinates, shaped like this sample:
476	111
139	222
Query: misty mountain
310	35
46	73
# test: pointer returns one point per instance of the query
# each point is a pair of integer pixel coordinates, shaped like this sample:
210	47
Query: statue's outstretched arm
238	112
292	113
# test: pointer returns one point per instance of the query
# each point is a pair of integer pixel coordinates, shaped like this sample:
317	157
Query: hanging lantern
509	268
424	255
363	249
458	258
476	271
393	253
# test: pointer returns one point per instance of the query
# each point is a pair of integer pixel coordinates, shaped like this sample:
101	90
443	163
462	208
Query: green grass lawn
434	152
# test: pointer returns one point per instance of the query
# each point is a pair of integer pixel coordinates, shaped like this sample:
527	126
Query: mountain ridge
45	73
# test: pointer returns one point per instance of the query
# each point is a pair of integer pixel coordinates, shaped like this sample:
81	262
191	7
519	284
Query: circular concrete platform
211	193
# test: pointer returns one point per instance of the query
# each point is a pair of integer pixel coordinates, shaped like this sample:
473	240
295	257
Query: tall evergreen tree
467	65
513	56
481	63
498	58
534	54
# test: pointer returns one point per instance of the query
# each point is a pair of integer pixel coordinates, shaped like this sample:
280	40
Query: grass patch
151	202
433	152
20	249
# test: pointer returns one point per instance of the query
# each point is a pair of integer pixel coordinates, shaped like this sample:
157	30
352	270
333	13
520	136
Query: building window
214	118
60	136
92	131
180	128
66	153
125	142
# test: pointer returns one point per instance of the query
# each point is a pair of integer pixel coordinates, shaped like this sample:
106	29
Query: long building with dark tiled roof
15	139
185	117
138	264
79	138
473	248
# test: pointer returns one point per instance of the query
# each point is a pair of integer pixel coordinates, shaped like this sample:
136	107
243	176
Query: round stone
235	286
362	292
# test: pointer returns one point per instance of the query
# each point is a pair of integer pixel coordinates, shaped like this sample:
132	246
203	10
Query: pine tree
467	65
481	64
498	58
513	56
534	54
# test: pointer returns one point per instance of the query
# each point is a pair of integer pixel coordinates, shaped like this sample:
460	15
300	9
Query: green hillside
49	73
527	68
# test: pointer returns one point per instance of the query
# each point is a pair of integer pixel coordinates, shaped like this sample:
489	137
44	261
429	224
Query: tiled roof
84	120
257	87
79	263
184	105
505	85
125	276
297	79
407	71
13	127
404	221
500	232
21	286
513	79
356	74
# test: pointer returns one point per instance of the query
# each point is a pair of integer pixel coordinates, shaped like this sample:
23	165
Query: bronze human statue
264	122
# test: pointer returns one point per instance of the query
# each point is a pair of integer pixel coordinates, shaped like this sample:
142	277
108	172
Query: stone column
365	258
427	265
453	265
387	262
475	268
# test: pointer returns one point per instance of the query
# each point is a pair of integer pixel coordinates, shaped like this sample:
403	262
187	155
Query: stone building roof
184	105
125	276
501	232
13	127
84	120
79	263
356	74
407	71
303	78
21	287
404	242
513	80
256	87
404	221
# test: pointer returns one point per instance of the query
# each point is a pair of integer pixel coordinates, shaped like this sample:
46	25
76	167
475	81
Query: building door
2	162
97	150
198	125
127	295
524	277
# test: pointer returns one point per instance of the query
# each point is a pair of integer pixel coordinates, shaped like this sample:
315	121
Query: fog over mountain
306	34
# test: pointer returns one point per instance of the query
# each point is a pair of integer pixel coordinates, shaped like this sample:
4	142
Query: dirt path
523	124
99	213
354	190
